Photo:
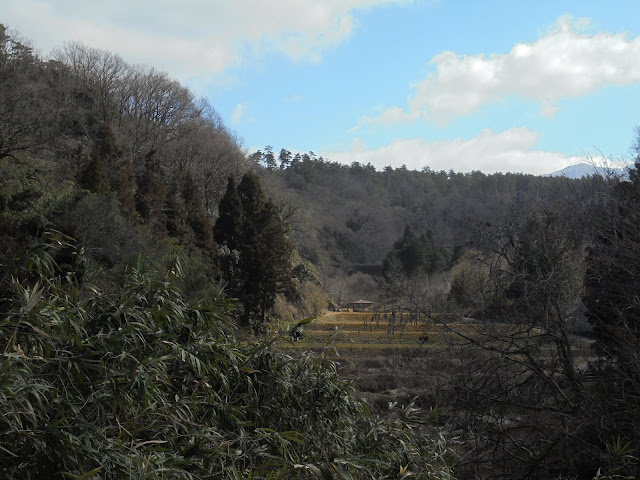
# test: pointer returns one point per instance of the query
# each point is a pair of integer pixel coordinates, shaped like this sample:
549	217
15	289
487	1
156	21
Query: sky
489	85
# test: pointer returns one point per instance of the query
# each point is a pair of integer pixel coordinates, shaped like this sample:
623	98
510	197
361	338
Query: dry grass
366	330
388	362
400	362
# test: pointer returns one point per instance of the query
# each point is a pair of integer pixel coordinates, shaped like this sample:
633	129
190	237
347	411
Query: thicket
542	319
86	117
540	302
124	159
134	382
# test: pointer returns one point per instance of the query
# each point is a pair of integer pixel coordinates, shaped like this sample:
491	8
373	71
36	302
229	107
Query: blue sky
526	86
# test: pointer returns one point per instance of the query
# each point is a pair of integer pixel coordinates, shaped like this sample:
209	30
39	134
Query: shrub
136	383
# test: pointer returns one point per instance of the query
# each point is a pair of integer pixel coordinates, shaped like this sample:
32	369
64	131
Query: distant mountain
585	169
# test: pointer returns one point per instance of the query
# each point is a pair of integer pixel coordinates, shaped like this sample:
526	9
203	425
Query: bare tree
23	98
519	395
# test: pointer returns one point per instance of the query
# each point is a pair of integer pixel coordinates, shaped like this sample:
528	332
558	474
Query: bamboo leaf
84	476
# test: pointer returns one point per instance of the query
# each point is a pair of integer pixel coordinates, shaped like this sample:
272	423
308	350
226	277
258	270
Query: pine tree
285	158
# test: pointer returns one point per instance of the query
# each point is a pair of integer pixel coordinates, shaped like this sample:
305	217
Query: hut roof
361	302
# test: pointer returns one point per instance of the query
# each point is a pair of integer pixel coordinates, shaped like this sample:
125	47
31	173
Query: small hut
361	305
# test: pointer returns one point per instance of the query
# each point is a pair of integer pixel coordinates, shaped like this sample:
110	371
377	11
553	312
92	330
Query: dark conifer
197	220
275	261
251	196
94	176
175	211
150	197
252	226
119	169
229	223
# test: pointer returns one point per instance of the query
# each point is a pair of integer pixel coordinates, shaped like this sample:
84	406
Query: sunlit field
409	359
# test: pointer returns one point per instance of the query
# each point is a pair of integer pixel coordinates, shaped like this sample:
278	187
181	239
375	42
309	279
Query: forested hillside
120	356
151	270
345	219
119	156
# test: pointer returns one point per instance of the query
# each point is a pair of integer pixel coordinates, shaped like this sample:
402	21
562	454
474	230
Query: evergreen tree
256	261
175	211
251	196
269	158
119	169
285	158
415	254
150	197
266	261
94	176
227	233
197	220
544	270
229	223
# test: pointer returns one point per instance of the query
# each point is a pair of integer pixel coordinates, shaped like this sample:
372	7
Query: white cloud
189	38
238	113
508	151
390	116
562	63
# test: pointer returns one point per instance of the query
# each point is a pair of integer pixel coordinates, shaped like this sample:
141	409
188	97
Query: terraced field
400	359
371	330
389	359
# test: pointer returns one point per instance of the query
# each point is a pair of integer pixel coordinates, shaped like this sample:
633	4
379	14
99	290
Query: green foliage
413	255
119	168
266	261
229	223
150	196
93	176
256	254
29	195
176	212
464	288
138	384
545	268
107	236
196	219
